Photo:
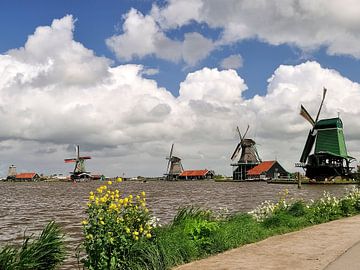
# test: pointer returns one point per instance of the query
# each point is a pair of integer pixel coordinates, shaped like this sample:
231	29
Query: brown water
29	206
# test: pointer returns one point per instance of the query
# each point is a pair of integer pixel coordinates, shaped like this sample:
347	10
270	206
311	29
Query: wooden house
267	170
196	174
27	177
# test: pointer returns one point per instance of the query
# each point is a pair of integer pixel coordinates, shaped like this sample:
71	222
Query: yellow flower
119	180
148	235
143	193
91	193
130	196
102	222
126	200
136	238
99	190
91	197
109	183
89	236
127	230
85	222
135	233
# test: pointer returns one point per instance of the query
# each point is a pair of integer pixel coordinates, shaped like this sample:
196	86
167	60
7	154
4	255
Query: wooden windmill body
249	157
329	158
174	166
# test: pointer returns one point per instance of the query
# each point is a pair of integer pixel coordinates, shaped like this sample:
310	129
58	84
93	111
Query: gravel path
326	246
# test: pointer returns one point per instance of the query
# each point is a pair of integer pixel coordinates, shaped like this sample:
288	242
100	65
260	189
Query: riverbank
318	247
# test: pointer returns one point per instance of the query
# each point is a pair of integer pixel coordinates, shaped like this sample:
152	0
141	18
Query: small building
27	177
196	174
267	170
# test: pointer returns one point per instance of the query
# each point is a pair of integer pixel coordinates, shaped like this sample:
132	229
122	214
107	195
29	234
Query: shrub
114	225
200	232
297	209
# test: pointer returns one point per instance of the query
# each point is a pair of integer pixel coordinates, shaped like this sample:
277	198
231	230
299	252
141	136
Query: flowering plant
267	208
115	223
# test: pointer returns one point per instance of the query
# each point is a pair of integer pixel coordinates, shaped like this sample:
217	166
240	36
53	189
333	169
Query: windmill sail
306	115
236	152
308	146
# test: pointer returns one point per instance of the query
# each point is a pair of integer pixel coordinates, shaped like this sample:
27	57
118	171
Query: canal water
27	207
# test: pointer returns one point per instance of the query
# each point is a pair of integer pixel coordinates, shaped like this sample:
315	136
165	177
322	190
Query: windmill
174	166
249	156
79	170
330	157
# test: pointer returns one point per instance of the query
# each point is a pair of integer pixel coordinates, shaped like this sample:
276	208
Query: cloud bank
307	25
55	94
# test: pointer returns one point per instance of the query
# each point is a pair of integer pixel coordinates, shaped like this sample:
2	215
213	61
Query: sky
125	79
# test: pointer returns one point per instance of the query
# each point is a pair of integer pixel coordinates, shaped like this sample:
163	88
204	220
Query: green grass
196	233
43	253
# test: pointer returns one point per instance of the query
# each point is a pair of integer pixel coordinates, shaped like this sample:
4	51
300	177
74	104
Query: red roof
25	175
194	173
262	167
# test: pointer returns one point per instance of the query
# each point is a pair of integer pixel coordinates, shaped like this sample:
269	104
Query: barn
196	174
27	177
267	170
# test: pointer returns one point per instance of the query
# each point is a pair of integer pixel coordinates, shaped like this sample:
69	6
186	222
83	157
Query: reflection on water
29	206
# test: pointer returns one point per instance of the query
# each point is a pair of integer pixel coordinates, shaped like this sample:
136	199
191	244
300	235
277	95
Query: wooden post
299	180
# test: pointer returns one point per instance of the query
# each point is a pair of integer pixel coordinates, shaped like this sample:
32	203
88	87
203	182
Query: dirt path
315	247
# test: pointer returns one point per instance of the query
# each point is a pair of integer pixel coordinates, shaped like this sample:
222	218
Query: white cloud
177	13
127	123
150	71
143	37
234	61
306	24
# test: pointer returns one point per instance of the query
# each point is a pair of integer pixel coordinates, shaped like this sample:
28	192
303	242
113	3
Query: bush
297	209
114	225
43	253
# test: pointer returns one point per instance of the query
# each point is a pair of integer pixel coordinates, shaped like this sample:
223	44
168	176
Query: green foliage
191	213
200	232
43	253
195	233
115	224
297	209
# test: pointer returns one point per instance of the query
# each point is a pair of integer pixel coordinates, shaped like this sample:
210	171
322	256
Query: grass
43	253
196	233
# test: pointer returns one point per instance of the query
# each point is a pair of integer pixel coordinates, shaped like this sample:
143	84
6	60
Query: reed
43	253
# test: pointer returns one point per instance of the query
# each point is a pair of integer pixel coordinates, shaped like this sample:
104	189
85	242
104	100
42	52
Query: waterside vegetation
45	252
138	242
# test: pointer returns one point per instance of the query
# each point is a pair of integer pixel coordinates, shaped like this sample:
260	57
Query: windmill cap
329	123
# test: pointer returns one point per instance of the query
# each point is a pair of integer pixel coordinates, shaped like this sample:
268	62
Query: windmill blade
304	113
247	129
77	151
171	151
170	156
308	146
168	166
236	152
238	130
322	101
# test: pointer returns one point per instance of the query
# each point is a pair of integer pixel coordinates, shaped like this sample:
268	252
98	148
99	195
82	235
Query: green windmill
330	157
